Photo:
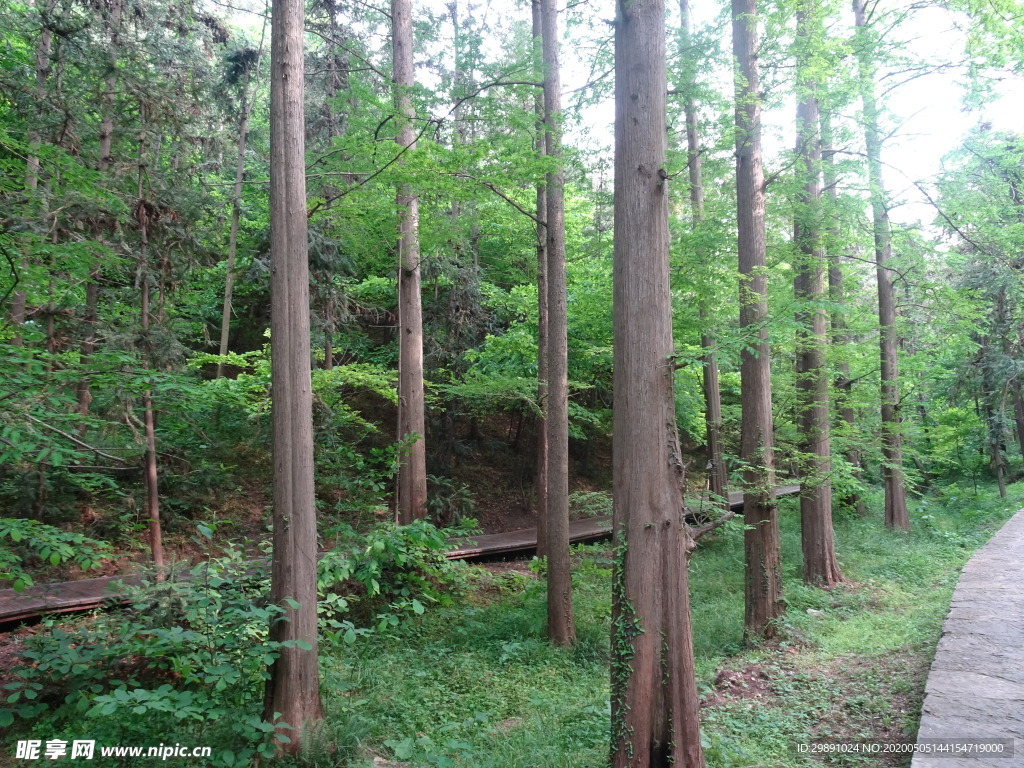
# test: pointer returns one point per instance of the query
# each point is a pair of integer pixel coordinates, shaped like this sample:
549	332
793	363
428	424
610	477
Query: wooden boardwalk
87	594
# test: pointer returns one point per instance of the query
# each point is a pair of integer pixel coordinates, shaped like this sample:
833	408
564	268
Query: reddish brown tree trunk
763	578
293	690
896	515
412	471
837	295
236	211
542	306
654	691
151	473
107	124
817	539
19	298
718	477
561	626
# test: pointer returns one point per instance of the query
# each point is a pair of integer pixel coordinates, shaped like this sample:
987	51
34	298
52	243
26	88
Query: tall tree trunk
89	317
837	295
43	47
142	208
412	471
338	77
718	477
763	577
32	168
107	124
896	515
1018	412
293	690
92	289
236	208
542	302
817	538
561	627
654	689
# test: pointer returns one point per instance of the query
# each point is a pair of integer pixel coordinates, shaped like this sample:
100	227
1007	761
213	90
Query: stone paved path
975	688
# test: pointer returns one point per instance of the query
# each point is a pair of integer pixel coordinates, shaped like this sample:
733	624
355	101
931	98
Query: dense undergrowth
429	664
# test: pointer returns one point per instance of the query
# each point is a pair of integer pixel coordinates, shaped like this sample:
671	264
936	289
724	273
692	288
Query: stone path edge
975	688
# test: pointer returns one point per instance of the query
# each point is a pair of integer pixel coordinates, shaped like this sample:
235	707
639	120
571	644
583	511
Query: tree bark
412	471
151	474
763	578
92	289
293	690
896	514
107	124
654	690
561	627
541	481
718	478
44	45
817	539
837	295
1018	413
236	211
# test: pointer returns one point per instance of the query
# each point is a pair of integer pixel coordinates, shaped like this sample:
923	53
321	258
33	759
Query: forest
298	297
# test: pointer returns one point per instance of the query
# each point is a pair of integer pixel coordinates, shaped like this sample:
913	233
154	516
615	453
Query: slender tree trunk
818	541
837	295
763	578
718	477
412	472
107	124
293	690
1018	413
89	317
44	45
561	627
654	689
542	304
236	210
338	77
92	289
151	474
43	48
896	515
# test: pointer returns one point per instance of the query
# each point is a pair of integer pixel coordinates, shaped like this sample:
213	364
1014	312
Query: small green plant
449	503
373	581
590	503
189	653
24	541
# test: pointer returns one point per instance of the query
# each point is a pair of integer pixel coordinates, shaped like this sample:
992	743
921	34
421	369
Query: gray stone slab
975	688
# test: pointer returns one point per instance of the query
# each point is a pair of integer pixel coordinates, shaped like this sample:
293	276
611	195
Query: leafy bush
22	540
449	503
591	504
189	654
372	582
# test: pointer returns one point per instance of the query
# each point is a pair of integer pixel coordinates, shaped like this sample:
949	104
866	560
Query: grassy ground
476	685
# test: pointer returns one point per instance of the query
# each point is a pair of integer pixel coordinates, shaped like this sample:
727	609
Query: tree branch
14	274
75	440
696	533
498	192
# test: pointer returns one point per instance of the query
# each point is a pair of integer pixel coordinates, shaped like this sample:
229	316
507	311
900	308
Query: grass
477	685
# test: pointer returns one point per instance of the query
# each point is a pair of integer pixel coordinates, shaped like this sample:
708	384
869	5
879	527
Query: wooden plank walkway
975	688
580	531
87	594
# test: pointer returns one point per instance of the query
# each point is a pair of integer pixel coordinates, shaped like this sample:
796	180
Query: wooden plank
88	594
